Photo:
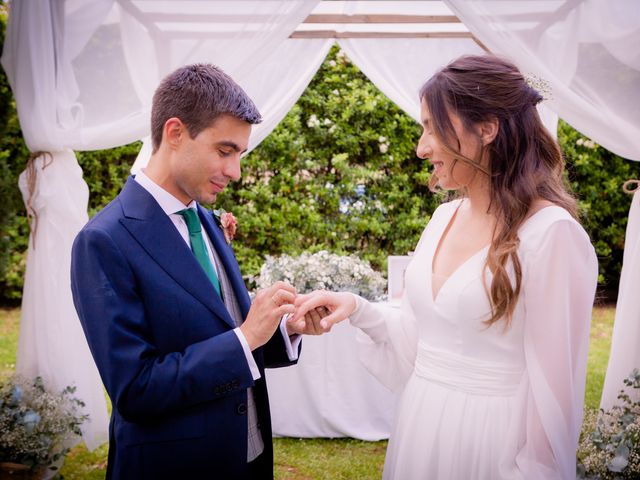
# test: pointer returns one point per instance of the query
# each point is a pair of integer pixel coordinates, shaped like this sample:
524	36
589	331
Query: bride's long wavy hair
525	162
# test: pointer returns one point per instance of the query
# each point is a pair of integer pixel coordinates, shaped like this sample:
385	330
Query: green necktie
197	245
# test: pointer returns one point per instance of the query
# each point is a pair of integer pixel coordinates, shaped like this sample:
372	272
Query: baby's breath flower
324	270
609	445
36	426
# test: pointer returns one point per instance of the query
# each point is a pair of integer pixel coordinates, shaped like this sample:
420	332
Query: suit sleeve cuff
291	343
253	366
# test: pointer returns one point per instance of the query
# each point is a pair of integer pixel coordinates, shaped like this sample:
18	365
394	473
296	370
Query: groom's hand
339	305
268	307
309	324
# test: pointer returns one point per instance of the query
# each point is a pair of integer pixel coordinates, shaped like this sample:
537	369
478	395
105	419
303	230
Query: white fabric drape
625	351
51	342
400	66
274	85
40	41
80	82
141	42
583	49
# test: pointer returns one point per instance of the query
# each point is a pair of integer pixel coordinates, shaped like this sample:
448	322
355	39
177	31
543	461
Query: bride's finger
310	303
330	320
303	297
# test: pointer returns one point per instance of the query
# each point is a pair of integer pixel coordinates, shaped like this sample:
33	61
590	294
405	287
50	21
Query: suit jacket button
242	408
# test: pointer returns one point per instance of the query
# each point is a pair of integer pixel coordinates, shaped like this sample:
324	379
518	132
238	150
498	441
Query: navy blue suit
164	344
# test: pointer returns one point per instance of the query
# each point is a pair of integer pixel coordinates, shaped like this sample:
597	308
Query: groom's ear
173	132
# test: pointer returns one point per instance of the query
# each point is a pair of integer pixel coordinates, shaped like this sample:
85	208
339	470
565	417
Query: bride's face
452	174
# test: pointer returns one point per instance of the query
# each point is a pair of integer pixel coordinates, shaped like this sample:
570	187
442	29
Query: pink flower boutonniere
228	223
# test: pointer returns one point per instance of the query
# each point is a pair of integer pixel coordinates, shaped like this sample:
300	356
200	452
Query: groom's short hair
198	94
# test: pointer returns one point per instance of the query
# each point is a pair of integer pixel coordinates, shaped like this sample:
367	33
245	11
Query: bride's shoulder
547	219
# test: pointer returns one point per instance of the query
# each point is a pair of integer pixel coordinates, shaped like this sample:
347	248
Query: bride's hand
339	305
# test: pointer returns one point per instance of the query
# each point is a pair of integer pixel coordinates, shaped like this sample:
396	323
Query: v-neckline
434	297
445	231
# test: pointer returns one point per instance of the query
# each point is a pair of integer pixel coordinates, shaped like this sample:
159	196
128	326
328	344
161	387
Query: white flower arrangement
324	271
610	442
37	426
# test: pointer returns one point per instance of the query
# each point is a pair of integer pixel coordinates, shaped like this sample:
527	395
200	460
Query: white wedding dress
482	402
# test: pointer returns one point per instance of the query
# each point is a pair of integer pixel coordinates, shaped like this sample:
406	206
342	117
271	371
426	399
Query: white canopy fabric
408	63
83	72
400	66
51	342
625	343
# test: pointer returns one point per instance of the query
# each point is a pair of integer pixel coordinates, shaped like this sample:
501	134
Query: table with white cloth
329	393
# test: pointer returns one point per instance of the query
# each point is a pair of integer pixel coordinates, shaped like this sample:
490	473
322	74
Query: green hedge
339	173
596	177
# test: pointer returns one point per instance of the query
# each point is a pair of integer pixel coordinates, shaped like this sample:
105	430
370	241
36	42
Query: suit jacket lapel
155	232
228	259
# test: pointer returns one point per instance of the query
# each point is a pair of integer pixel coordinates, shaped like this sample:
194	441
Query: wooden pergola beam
336	34
314	18
379	18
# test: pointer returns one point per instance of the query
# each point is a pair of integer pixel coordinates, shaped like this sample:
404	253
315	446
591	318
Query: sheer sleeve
559	282
388	340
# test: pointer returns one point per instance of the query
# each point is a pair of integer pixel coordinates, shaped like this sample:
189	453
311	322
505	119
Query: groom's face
203	166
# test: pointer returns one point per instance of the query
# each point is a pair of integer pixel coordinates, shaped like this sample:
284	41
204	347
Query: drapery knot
631	186
32	177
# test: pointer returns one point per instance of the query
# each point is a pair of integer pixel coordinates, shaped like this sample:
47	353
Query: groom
179	345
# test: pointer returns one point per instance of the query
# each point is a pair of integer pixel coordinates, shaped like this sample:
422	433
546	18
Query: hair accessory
540	86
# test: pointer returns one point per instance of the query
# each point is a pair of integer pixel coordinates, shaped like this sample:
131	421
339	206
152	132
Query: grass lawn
306	459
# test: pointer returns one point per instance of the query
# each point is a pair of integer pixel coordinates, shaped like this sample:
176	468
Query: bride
489	349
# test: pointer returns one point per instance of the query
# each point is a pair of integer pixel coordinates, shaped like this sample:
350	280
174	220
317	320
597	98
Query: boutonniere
228	223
